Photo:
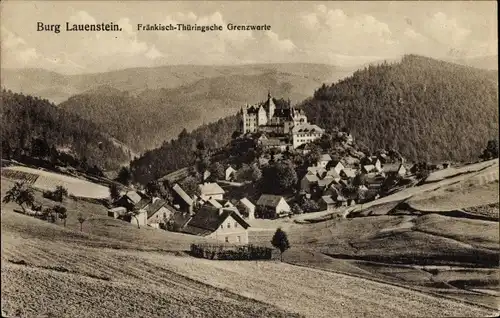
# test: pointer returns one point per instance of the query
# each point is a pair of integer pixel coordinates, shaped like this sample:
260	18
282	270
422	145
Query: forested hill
427	109
34	126
179	153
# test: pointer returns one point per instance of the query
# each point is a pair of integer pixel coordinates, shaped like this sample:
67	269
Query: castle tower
272	107
244	119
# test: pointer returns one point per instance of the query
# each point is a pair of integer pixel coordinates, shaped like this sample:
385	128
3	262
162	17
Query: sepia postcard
244	159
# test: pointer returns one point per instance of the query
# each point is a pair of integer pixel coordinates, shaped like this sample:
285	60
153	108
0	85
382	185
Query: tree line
34	127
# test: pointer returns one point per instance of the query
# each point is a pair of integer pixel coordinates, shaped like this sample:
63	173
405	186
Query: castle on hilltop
265	117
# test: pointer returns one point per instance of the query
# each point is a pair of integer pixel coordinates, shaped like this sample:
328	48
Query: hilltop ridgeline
427	109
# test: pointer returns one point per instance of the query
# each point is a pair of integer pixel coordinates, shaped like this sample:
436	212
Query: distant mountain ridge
58	87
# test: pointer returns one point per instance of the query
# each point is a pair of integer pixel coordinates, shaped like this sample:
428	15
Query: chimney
221	210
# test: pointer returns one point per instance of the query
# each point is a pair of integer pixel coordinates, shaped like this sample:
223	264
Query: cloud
447	30
333	34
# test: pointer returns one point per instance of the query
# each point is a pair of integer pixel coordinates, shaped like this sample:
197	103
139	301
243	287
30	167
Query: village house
274	143
308	181
129	200
333	174
249	208
332	190
368	169
324	160
327	203
338	167
274	203
211	191
395	169
320	172
348	173
223	224
229	173
325	182
182	200
341	200
158	211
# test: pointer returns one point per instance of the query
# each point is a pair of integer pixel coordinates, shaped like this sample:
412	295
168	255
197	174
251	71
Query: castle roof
304	128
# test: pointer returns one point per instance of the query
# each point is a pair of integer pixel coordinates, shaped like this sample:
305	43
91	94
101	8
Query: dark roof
269	200
209	219
155	206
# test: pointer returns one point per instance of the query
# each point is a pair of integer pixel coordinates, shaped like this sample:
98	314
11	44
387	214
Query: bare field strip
316	293
49	180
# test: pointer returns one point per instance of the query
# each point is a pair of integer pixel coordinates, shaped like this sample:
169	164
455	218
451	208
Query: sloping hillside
33	126
425	108
179	153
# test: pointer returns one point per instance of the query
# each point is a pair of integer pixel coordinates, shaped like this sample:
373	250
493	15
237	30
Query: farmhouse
211	191
223	224
158	212
273	203
249	208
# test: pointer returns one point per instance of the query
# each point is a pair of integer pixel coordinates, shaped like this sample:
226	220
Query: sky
337	33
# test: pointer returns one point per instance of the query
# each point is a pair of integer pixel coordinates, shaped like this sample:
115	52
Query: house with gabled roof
325	182
338	167
130	199
223	224
211	191
308	181
158	211
368	168
395	169
324	160
249	208
229	173
348	173
182	199
327	203
275	204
